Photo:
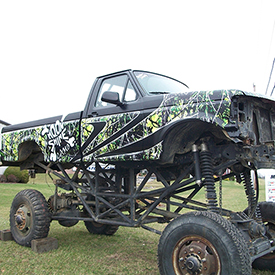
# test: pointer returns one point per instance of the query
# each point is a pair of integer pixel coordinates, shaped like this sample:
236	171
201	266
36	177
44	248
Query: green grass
129	251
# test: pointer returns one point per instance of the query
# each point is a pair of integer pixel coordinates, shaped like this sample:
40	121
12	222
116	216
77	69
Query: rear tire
29	217
100	228
199	242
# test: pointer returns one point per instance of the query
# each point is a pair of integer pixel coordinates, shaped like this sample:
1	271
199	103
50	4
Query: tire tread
232	231
41	216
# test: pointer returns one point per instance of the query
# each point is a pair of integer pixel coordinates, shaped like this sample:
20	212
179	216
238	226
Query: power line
270	75
272	90
271	40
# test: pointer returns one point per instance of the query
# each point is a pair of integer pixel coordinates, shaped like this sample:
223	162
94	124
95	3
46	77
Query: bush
22	176
12	178
3	178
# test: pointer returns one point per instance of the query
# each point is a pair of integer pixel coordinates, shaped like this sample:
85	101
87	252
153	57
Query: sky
52	51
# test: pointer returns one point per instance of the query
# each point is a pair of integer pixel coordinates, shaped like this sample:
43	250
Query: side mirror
111	97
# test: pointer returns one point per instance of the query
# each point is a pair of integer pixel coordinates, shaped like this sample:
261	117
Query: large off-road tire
267	262
99	228
29	217
203	243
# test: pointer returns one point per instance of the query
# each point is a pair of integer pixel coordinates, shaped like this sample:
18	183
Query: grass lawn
129	251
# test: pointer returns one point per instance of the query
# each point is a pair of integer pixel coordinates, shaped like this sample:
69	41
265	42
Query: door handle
93	114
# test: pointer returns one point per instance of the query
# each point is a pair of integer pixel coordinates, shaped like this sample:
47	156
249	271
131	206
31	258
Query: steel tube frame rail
137	215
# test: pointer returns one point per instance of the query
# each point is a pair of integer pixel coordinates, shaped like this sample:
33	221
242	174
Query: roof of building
3	122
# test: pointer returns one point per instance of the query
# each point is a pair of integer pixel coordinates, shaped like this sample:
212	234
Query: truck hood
209	96
210	106
262	96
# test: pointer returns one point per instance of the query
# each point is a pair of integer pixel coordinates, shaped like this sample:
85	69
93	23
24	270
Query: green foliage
23	176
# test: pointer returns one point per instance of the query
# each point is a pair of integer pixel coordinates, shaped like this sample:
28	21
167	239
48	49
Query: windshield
158	84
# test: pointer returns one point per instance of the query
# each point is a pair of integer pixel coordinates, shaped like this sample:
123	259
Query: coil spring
209	183
253	208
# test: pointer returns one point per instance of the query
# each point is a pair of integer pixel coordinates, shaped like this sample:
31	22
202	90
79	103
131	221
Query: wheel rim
195	255
22	218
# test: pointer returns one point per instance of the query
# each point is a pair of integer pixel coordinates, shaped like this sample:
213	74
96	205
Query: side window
130	94
114	84
120	85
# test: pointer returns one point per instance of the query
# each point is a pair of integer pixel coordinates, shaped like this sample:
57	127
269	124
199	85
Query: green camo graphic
59	142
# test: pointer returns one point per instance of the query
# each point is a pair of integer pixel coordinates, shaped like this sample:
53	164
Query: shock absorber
253	208
207	174
195	150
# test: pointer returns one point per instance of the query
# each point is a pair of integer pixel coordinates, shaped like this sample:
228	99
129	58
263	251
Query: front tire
202	243
29	217
267	262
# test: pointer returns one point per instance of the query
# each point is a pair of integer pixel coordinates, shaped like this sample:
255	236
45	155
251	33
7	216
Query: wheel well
180	138
26	149
29	152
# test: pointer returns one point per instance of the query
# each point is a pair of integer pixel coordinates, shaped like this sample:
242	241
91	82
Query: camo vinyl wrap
59	142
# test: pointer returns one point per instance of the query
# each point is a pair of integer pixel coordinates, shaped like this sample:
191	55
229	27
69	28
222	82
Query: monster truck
138	122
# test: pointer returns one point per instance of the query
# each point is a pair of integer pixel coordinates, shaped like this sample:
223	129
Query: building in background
3	124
